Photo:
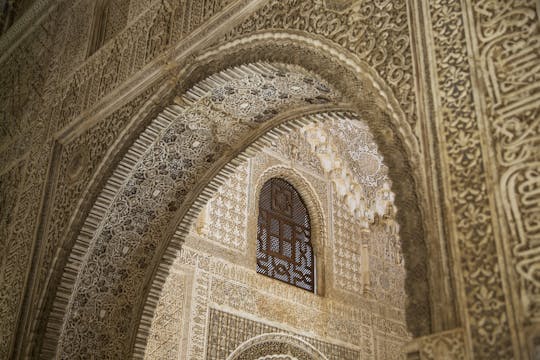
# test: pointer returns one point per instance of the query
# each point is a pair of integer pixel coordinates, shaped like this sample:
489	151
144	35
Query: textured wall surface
462	75
363	267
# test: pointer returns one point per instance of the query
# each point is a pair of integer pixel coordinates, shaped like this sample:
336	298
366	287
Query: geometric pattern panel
228	331
227	211
350	272
165	335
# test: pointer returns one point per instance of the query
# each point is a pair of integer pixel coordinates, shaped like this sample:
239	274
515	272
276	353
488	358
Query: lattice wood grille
284	250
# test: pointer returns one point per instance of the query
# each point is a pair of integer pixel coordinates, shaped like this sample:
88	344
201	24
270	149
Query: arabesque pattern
155	189
478	60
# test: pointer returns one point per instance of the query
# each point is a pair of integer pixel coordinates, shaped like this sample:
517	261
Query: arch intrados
394	135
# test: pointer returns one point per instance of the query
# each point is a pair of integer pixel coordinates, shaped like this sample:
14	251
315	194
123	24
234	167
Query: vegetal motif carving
375	31
485	298
447	345
192	138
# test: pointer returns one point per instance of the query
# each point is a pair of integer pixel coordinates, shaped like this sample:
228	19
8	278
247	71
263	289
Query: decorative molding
485	314
25	25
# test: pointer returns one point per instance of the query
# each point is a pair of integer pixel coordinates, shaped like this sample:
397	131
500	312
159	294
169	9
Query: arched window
284	250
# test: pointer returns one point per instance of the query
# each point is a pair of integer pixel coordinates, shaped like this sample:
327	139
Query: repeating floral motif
485	298
386	266
171	166
447	345
231	284
8	201
376	31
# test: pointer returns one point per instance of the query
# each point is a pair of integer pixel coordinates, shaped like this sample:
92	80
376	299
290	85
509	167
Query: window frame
319	225
285	210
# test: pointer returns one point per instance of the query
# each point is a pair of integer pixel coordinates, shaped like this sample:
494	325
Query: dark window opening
284	250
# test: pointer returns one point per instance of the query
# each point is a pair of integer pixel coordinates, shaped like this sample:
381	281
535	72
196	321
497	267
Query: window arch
284	248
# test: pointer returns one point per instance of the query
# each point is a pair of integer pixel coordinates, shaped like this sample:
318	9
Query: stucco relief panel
485	298
176	160
508	40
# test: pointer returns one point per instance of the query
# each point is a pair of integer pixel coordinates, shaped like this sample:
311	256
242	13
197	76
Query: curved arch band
144	251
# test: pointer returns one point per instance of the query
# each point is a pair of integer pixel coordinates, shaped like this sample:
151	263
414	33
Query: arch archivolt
101	296
348	73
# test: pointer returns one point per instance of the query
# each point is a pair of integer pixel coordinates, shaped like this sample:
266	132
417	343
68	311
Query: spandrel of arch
284	250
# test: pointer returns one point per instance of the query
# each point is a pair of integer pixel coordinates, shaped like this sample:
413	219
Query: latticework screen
284	250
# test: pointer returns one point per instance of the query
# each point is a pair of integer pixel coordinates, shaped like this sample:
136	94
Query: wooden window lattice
284	250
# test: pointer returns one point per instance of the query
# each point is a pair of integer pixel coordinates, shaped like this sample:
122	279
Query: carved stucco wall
237	303
471	66
39	73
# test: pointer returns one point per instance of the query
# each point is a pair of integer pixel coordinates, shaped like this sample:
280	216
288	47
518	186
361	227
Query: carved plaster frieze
466	166
505	40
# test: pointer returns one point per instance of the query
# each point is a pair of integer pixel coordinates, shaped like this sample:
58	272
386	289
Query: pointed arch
150	248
